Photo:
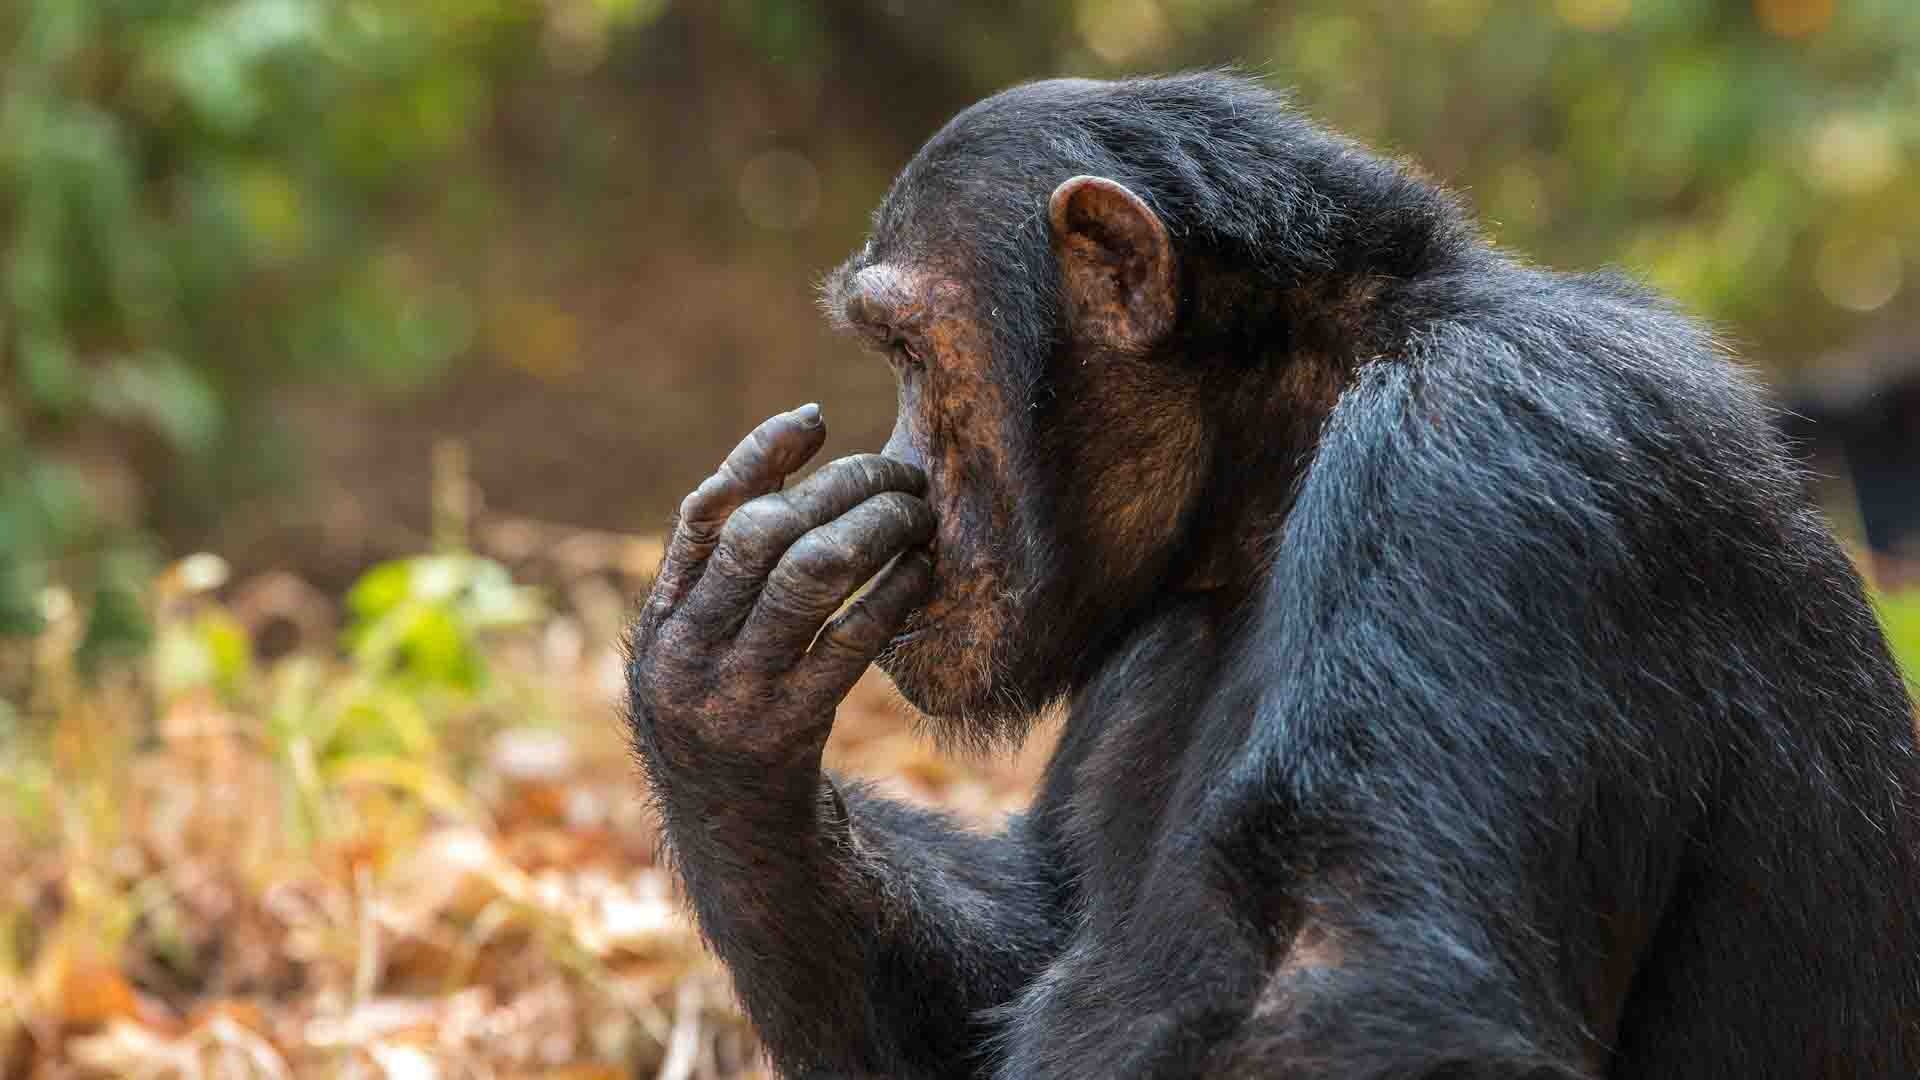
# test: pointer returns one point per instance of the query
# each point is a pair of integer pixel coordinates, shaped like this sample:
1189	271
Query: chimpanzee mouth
915	623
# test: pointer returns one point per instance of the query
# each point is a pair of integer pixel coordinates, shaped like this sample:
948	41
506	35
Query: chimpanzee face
1058	496
952	422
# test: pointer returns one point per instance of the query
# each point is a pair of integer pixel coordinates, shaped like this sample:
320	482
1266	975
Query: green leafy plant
414	663
418	621
196	204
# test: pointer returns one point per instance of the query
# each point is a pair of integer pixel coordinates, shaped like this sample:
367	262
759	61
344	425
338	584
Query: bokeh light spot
538	338
1851	154
1859	273
1456	18
1793	18
1594	15
779	189
1120	30
1519	196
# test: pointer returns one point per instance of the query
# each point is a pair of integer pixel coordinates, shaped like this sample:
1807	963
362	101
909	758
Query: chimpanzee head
1078	285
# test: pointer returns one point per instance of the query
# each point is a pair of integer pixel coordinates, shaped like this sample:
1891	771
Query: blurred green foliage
415	670
1746	155
419	619
1900	614
202	200
194	205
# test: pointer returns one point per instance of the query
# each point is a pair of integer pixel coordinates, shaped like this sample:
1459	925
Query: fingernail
809	414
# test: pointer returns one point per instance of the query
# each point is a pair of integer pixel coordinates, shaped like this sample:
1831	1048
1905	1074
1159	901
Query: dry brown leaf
457	871
379	1020
346	859
126	1049
541	938
246	1014
636	919
404	1062
533	802
91	994
575	1072
534	849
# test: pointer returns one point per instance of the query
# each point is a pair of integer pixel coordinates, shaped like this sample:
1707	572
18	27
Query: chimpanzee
1457	681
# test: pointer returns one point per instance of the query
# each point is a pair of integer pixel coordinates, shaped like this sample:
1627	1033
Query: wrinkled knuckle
741	527
831	483
819	555
776	513
796	596
856	472
896	504
695	504
813	572
758	528
881	473
697	515
735	476
729	575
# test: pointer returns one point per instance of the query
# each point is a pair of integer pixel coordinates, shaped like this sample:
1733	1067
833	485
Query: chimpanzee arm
863	937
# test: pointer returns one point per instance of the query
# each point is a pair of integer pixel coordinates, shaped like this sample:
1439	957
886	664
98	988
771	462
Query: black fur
1555	737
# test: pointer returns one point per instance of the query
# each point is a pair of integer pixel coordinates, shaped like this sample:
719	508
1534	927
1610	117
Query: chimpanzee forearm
862	943
861	934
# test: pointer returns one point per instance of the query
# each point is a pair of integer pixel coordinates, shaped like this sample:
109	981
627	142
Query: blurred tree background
292	291
258	256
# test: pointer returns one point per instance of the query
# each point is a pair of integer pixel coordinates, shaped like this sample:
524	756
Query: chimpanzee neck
1268	382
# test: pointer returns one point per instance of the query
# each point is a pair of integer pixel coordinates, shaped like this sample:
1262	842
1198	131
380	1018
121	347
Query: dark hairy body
1458	681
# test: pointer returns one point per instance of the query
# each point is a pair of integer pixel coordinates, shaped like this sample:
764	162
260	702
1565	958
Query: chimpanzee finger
759	464
759	533
852	640
825	567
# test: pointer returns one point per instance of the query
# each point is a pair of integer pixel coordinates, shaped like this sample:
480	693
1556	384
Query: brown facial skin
951	414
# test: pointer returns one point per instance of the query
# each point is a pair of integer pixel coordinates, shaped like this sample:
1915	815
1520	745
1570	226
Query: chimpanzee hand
729	656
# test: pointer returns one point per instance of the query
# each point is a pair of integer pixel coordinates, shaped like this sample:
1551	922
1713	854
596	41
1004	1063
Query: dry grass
378	855
201	882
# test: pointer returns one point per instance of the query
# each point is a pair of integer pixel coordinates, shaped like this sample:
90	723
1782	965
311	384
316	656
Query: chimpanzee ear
1117	265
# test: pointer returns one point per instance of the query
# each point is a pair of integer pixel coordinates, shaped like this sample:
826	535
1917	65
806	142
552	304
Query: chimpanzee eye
903	354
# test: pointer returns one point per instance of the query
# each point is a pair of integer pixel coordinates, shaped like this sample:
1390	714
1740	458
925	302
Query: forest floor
392	835
397	837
